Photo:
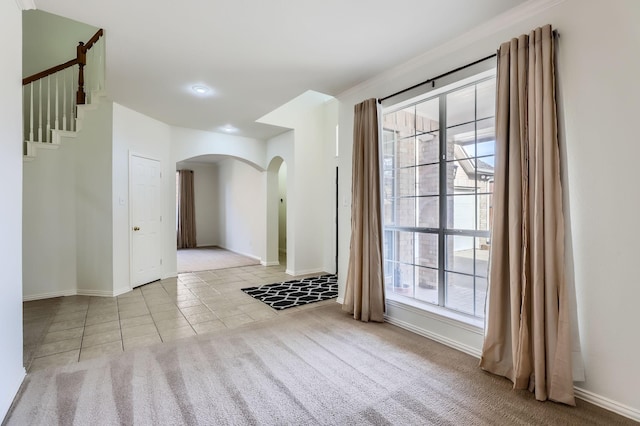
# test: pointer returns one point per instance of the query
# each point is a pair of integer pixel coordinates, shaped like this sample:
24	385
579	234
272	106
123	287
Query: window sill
439	313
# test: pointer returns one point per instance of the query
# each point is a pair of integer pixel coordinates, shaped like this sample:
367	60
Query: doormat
289	294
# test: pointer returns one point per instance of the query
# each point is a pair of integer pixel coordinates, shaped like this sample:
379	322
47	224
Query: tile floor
65	330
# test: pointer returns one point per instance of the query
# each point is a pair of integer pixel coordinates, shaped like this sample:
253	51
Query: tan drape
527	334
364	296
186	210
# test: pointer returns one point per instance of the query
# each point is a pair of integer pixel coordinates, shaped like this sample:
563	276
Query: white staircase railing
51	96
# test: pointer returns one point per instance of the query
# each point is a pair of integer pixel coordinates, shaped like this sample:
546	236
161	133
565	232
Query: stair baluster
40	111
31	112
64	100
47	137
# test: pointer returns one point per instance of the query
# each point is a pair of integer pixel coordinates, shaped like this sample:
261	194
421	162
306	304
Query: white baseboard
305	272
98	293
252	256
433	336
340	300
272	263
28	298
607	403
122	290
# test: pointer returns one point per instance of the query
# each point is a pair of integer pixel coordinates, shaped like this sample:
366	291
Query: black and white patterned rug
297	292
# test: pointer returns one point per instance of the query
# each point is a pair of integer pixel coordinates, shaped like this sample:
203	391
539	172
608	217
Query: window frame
442	231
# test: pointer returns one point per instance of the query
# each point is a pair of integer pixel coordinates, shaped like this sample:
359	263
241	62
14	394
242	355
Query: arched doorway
228	208
279	243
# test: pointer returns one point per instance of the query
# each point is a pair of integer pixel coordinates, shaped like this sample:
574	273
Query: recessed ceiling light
199	89
229	128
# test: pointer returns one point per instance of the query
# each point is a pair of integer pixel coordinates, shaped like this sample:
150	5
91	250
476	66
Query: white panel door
146	217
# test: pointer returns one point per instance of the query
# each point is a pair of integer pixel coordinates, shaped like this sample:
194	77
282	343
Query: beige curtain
186	210
364	296
527	333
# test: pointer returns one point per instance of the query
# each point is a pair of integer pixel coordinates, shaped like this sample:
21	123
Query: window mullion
442	198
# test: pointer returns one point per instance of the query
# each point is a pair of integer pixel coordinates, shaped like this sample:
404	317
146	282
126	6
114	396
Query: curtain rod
432	80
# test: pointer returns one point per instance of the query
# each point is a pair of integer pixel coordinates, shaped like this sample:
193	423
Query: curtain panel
364	295
527	333
186	210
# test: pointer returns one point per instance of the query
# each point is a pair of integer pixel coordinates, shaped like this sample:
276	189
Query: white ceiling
256	55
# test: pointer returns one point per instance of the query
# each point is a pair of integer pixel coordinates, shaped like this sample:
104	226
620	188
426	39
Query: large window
438	184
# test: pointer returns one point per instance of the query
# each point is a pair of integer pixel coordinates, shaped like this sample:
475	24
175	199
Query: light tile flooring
65	330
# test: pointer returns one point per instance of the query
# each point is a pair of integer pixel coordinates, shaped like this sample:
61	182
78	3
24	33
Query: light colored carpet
211	258
315	366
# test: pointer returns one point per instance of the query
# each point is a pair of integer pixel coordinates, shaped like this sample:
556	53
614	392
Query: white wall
205	187
49	223
242	219
50	40
597	69
93	212
309	191
11	214
135	133
189	143
331	109
67	212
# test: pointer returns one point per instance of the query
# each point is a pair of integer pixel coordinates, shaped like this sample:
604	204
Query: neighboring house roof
472	166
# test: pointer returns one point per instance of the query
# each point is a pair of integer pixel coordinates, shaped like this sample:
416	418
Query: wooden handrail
79	59
88	45
52	70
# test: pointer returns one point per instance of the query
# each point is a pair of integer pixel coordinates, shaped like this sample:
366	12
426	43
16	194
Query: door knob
136	228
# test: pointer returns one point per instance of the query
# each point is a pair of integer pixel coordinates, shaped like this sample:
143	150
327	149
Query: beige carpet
315	366
210	258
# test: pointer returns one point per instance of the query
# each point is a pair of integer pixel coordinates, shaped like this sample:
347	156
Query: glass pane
481	296
403	279
461	142
406	181
405	212
389	267
486	132
485	171
426	250
428	180
388	161
484	212
389	125
459	292
482	256
429	213
406	152
428	148
405	247
461	177
486	95
389	245
389	211
388	183
388	135
459	254
461	211
461	106
404	123
428	115
426	284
